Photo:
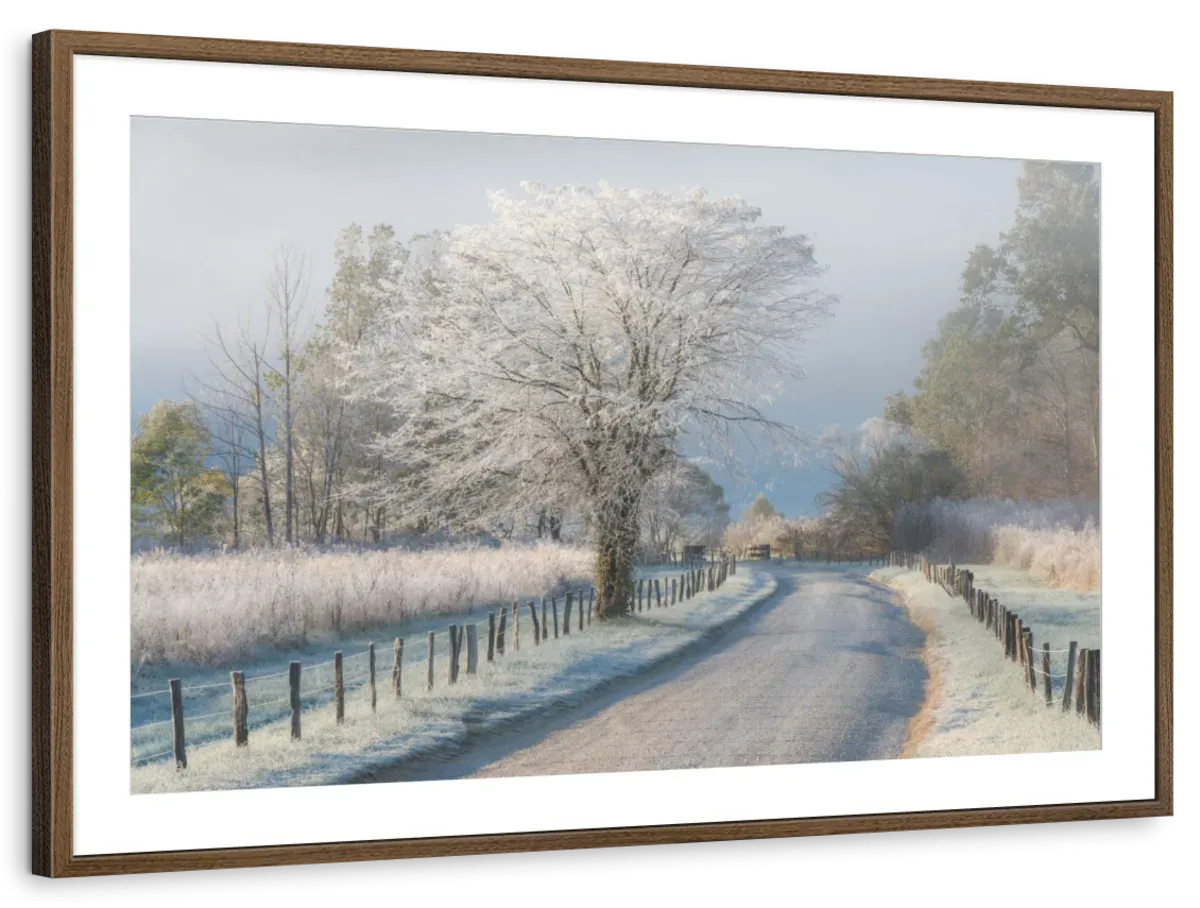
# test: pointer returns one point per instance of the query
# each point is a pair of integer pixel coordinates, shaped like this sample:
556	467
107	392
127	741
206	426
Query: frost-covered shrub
1056	541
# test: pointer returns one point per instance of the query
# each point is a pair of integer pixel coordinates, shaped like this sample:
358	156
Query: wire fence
201	713
1069	678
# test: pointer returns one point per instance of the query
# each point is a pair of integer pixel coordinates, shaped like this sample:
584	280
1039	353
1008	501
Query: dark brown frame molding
53	54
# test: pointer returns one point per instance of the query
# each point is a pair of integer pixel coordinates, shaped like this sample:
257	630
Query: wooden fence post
178	742
545	623
339	692
1030	674
371	672
1080	673
1069	681
1033	678
1046	671
640	582
458	648
657	593
579	608
429	647
554	614
501	629
591	602
491	653
472	649
397	661
241	733
516	616
671	600
567	603
1093	687
452	668
537	627
294	697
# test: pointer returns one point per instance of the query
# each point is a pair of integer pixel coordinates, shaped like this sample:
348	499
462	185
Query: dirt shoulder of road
924	719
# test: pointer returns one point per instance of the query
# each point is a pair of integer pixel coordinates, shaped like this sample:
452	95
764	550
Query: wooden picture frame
53	490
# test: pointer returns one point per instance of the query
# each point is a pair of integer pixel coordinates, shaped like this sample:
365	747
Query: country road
827	669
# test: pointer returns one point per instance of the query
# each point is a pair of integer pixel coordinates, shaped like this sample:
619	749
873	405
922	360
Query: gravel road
827	669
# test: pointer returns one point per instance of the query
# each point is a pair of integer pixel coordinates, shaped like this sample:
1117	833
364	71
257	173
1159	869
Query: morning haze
213	200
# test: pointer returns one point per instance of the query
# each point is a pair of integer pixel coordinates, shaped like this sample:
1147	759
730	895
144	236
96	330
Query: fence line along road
503	636
1081	672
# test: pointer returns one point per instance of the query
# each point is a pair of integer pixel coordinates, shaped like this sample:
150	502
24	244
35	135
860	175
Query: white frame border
109	90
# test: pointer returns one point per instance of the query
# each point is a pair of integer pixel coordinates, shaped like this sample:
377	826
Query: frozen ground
828	669
516	686
979	703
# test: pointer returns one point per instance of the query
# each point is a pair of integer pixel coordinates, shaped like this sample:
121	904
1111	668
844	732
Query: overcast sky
212	200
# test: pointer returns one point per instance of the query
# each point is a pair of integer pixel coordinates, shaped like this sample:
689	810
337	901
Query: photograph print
459	455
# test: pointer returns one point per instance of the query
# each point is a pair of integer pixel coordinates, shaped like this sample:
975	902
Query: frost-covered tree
682	505
760	507
337	471
556	356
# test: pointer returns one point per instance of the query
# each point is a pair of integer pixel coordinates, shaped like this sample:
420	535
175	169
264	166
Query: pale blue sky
211	201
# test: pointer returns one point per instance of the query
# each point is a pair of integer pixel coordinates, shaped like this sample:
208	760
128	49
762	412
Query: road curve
826	670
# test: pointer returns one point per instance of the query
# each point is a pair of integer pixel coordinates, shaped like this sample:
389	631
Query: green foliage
1048	264
1010	386
173	492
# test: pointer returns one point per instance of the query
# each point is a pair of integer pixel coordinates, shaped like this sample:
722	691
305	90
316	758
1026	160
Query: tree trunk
237	537
289	479
616	544
262	466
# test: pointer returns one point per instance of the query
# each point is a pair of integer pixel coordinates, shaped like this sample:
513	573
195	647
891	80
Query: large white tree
558	355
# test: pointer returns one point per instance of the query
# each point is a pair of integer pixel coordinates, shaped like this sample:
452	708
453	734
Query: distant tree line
1007	404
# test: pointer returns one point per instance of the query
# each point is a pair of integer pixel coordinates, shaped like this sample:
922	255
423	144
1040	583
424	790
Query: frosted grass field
553	675
980	703
218	609
1062	557
1055	541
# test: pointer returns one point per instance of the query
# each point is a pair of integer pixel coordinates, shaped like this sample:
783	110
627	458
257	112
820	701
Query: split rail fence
503	633
1077	668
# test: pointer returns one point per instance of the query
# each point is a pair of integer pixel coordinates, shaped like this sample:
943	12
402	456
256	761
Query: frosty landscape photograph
458	455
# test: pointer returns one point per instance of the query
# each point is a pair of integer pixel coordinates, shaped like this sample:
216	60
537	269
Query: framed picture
480	453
